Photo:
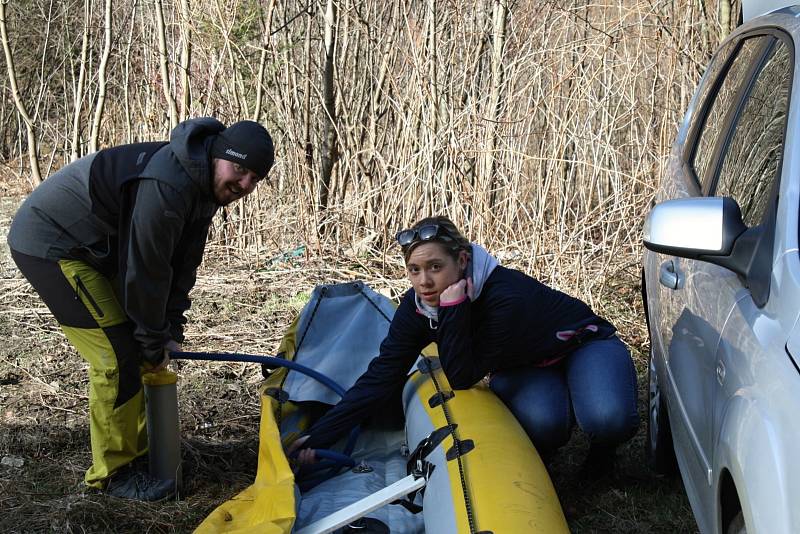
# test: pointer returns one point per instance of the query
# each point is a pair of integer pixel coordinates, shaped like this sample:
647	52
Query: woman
549	357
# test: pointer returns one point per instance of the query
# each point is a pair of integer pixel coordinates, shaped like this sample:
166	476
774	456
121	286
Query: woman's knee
602	382
539	399
609	422
547	429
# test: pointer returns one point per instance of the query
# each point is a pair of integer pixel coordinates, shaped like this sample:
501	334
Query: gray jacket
139	214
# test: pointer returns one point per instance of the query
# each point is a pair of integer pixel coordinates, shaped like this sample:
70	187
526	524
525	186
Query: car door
750	360
693	310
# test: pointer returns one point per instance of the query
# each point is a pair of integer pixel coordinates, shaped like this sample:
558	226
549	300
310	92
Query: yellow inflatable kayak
473	467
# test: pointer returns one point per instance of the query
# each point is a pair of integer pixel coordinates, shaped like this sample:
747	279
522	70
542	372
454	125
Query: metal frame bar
358	509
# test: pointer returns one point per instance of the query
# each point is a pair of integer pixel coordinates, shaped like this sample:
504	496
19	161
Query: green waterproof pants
85	306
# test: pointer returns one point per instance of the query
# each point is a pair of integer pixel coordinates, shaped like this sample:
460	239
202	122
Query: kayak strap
430	366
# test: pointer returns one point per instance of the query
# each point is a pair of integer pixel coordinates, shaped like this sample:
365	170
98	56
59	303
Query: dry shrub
540	127
548	156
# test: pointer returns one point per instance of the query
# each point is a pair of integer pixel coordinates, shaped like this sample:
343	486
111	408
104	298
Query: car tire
737	526
659	448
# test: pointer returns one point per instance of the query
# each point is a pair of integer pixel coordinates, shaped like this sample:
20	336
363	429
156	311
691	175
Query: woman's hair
449	237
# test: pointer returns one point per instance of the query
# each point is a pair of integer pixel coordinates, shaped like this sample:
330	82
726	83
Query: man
112	242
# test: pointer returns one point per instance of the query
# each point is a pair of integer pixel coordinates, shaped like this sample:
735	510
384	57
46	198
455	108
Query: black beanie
248	144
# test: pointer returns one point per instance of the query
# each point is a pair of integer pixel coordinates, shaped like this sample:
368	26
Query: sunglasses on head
423	233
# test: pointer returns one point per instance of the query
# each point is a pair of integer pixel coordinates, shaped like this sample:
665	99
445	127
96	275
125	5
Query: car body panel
755	8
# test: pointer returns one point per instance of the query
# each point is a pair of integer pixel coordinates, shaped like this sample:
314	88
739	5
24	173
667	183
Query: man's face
231	181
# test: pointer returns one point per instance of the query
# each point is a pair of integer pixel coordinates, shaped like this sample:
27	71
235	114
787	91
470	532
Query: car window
724	100
752	157
713	71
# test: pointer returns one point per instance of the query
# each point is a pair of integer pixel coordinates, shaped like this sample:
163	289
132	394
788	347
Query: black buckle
427	365
421	469
426	446
459	448
440	398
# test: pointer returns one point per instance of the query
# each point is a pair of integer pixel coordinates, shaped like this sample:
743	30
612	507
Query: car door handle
668	275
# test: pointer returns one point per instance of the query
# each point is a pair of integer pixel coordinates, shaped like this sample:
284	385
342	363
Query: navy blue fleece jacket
515	321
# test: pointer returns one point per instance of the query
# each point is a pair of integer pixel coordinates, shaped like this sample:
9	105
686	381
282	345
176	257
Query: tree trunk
433	73
499	17
162	56
262	62
725	18
126	87
330	139
101	82
76	119
186	60
33	151
308	147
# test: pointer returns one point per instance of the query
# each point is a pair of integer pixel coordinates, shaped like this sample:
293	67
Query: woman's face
431	270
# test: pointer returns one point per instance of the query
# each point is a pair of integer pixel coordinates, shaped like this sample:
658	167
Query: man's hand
161	366
171	346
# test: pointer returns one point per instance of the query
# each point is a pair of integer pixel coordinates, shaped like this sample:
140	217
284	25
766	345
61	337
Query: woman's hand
455	293
305	456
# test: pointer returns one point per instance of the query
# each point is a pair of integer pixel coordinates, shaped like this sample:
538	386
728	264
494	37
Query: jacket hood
480	266
190	141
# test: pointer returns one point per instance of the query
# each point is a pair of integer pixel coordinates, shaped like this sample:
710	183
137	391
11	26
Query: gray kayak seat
339	332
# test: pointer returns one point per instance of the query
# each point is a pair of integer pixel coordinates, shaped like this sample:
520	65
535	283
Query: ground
44	423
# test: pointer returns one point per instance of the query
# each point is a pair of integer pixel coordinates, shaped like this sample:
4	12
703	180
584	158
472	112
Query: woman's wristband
456	302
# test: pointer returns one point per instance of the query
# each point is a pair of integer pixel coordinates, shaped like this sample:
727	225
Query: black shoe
140	463
132	484
599	463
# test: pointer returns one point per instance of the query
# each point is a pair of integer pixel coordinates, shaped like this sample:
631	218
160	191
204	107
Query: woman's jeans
595	385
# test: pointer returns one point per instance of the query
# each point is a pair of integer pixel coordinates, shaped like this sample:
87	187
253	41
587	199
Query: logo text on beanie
232	152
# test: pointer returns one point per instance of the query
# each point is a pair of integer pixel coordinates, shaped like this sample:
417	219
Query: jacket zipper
80	286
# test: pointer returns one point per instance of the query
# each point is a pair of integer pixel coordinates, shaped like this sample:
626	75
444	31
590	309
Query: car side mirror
711	229
696	228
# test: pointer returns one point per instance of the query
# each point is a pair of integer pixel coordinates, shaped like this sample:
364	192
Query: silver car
721	286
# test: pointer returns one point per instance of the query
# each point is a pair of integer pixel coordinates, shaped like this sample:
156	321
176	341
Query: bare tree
102	85
262	62
76	118
724	18
186	60
330	151
499	17
33	155
536	126
126	83
172	108
308	146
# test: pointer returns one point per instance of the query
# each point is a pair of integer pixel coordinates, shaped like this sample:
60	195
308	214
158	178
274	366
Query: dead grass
245	309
